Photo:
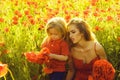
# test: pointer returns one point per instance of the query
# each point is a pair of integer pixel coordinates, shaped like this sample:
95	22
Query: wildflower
3	69
97	28
90	77
118	39
15	22
96	14
93	2
1	20
31	56
6	29
27	12
40	58
103	70
109	18
2	44
67	17
15	18
43	55
32	21
47	70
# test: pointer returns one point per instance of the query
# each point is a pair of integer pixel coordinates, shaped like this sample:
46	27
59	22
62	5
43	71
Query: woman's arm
71	70
100	51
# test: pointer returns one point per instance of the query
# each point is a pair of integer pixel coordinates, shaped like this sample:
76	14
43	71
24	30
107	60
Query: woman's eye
72	31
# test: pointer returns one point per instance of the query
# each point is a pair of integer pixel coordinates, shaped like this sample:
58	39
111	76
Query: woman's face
74	34
54	34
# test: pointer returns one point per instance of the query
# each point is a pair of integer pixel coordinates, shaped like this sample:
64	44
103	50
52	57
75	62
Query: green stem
11	74
5	78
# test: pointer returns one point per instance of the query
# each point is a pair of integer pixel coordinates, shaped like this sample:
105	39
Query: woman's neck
83	44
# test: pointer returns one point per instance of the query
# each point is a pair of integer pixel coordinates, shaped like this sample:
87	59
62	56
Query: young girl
59	50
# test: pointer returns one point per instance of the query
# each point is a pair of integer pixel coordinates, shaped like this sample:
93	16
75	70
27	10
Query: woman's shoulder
99	49
98	46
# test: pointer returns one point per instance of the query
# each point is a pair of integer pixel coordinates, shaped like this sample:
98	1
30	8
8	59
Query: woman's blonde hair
59	24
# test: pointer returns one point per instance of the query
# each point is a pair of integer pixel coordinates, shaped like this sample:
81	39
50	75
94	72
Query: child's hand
45	51
51	56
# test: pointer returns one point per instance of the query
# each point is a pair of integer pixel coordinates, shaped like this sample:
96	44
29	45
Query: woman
85	50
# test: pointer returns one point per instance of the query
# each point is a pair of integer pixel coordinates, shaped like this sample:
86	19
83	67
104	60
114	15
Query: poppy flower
31	56
40	58
3	69
90	77
109	18
103	70
2	44
45	51
118	39
47	70
97	28
1	20
27	12
43	55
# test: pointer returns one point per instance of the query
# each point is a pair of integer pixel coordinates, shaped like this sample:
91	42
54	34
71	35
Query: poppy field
22	24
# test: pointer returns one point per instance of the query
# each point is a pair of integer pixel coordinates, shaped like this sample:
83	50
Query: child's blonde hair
59	24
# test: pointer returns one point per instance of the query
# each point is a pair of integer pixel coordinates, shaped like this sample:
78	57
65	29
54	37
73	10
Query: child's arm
58	57
63	56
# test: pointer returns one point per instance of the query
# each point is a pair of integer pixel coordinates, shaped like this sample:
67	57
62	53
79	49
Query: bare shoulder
98	46
100	50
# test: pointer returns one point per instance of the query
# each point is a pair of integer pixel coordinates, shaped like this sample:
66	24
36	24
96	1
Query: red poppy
27	12
109	18
67	17
15	22
1	20
45	51
43	55
97	28
17	12
96	14
93	2
2	44
90	77
103	70
32	21
15	18
47	70
3	69
40	58
6	29
118	38
31	56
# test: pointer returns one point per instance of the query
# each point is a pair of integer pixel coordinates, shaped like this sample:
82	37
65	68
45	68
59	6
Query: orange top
59	47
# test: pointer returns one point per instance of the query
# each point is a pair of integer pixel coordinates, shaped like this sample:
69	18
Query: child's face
54	34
